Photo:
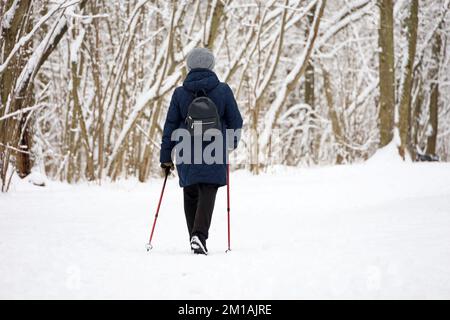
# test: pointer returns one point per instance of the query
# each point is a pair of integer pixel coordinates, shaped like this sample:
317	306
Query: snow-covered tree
85	85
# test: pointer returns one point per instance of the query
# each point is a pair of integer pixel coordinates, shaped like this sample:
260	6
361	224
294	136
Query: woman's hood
200	79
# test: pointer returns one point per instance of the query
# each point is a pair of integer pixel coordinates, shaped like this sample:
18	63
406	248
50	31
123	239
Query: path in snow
363	231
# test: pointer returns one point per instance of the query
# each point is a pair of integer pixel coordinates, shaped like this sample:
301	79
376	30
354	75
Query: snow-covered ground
362	231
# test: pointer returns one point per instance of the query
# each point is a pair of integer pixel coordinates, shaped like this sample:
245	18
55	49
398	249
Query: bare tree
406	85
434	95
86	84
386	71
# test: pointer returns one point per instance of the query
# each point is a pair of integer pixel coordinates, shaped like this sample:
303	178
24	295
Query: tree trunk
434	95
215	23
309	72
15	138
332	114
416	113
405	102
23	157
386	71
309	94
16	96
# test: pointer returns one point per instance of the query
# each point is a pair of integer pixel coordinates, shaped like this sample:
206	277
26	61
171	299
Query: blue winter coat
221	94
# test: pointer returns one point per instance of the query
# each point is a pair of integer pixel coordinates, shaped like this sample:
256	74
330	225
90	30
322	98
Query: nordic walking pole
149	244
228	205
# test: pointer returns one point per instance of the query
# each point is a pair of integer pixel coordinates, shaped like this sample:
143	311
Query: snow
33	61
9	15
273	111
75	46
364	231
136	110
25	39
37	179
389	154
343	18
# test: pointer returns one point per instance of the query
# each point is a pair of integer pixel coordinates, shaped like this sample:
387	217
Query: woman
199	181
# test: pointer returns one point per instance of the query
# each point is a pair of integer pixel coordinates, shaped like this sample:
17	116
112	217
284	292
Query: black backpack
202	114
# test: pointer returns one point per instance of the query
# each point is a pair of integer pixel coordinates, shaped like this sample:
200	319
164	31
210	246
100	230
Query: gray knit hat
200	58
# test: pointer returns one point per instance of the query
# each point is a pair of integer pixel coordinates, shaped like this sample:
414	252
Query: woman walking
200	180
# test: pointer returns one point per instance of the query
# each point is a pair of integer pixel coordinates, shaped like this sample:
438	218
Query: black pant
199	202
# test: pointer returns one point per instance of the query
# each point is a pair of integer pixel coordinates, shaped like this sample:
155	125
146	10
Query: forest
85	84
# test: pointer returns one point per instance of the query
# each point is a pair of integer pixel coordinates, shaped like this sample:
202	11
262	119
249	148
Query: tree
406	86
434	95
18	70
386	71
14	134
84	92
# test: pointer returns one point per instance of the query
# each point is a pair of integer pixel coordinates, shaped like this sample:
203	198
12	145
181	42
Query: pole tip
148	246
